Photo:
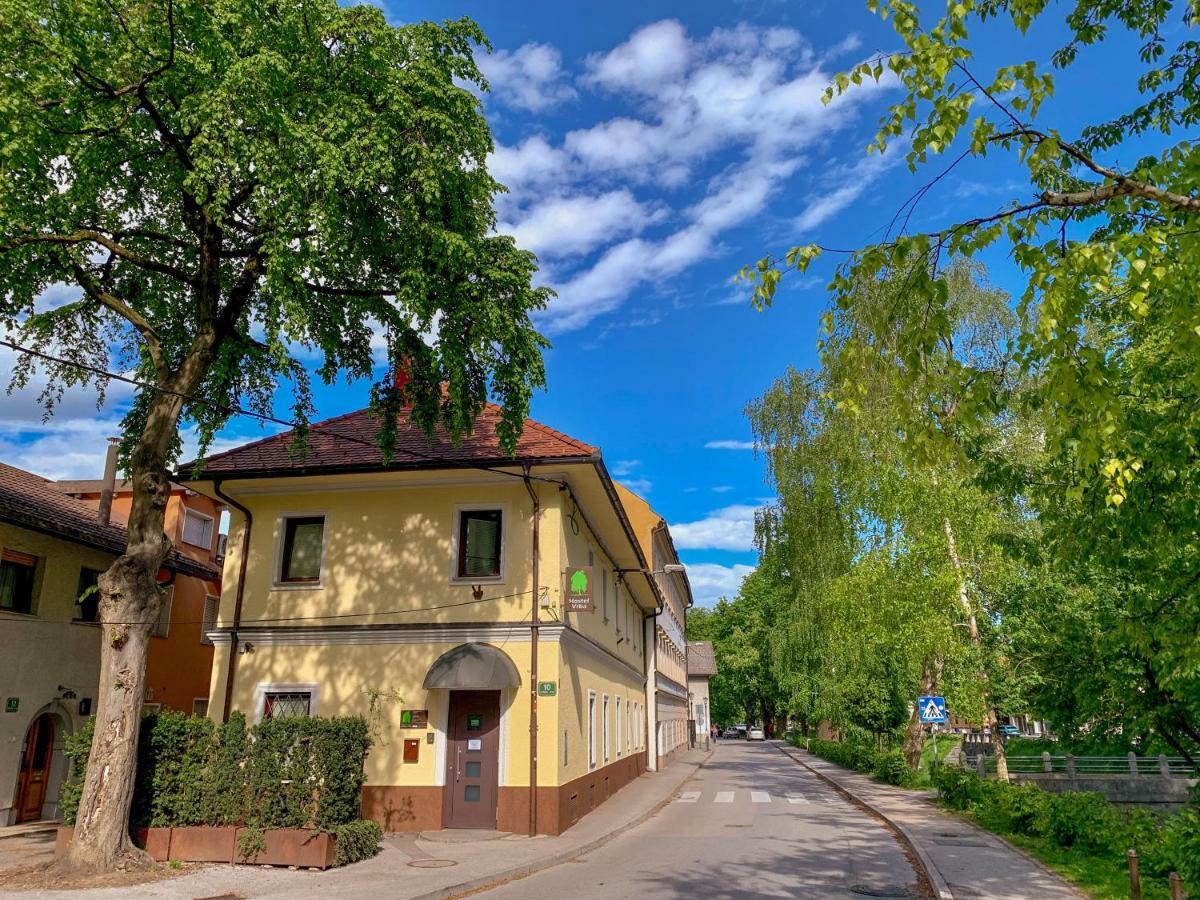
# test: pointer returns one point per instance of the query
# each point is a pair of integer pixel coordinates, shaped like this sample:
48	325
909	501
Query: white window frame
278	584
591	730
604	727
164	616
207	624
285	687
212	528
628	730
461	508
618	720
604	591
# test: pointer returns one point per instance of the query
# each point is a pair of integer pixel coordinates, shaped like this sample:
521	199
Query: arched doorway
36	761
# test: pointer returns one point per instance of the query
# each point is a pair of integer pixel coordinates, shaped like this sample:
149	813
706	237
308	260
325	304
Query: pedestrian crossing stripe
797	798
755	797
724	797
689	796
760	797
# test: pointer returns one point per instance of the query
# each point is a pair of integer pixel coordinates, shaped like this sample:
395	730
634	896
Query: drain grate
884	890
432	863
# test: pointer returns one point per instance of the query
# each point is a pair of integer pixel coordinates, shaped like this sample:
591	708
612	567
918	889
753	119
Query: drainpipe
109	484
240	593
533	660
651	685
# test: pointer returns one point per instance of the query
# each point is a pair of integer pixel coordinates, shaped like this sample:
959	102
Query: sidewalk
963	862
446	864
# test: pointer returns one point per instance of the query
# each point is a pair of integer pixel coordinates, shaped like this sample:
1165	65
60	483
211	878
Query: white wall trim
507	698
273	687
439	716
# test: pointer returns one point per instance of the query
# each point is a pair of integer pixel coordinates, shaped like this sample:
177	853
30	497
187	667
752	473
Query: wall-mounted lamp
246	647
66	692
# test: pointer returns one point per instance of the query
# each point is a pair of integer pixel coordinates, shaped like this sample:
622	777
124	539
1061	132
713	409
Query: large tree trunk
914	733
130	602
990	719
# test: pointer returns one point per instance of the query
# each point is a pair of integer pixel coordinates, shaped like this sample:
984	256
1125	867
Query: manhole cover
432	863
886	890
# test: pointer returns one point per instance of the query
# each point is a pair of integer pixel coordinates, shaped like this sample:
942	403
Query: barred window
287	704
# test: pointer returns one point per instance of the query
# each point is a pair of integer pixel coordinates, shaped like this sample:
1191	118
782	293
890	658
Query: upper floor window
197	529
17	571
480	543
303	546
87	597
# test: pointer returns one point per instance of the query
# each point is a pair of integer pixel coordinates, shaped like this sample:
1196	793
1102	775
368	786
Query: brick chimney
109	484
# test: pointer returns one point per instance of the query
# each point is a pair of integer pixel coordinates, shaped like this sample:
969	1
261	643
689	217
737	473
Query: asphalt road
751	823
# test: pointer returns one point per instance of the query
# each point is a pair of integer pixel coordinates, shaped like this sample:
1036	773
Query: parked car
755	734
731	732
1010	731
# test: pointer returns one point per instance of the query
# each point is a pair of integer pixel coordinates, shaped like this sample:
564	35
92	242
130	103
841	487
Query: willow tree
1107	236
233	189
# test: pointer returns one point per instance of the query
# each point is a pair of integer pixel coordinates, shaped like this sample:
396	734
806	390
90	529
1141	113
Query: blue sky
652	149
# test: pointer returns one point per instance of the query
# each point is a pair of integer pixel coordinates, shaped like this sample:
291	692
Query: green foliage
891	767
1078	821
77	747
1085	411
251	842
357	841
284	773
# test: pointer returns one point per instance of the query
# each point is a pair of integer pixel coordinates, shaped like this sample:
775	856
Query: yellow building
403	591
667	673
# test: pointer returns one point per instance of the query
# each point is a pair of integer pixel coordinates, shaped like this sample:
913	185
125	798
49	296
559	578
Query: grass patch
1101	877
944	743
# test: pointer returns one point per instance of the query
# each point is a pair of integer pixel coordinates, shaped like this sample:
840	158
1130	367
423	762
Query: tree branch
87	235
153	342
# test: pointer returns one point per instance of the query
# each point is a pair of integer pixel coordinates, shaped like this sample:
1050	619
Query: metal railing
1131	764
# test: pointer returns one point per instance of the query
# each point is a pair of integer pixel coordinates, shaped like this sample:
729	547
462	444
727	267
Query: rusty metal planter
206	843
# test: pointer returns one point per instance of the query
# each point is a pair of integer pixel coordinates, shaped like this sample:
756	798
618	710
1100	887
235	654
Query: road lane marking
760	797
797	798
723	797
688	797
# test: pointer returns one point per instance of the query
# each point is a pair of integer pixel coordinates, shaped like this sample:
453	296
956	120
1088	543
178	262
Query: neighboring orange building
179	664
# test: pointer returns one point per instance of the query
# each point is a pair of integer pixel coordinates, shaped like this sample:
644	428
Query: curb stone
939	885
526	869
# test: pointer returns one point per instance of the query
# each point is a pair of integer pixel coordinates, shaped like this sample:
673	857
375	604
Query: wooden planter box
205	843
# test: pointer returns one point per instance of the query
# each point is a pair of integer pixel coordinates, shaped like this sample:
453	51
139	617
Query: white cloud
711	581
563	226
653	54
746	98
722	488
530	77
854	182
729	445
638	485
729	528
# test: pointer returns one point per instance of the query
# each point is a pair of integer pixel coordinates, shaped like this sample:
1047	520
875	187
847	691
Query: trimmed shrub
958	788
78	747
283	773
357	841
891	767
1081	819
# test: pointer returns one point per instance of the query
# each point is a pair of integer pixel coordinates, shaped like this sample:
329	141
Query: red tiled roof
29	501
349	442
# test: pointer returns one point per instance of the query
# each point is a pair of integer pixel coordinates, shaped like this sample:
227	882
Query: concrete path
410	867
964	862
750	824
23	845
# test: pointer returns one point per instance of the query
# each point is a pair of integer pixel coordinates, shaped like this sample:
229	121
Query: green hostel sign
577	588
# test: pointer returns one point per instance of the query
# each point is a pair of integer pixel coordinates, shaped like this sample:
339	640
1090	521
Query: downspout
533	659
651	683
238	596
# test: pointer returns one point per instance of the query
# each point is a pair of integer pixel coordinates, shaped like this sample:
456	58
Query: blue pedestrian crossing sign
932	709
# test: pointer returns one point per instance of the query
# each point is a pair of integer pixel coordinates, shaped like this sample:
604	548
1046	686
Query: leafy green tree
227	186
1107	332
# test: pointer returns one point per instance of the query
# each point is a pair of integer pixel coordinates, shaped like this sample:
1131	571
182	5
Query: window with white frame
628	730
591	729
618	727
302	545
604	592
163	624
287	704
480	544
208	621
197	529
604	726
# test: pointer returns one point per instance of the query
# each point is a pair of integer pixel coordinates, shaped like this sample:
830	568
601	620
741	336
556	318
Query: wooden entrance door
473	761
35	768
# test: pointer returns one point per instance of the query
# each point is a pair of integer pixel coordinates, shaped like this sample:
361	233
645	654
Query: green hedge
357	841
282	773
1082	821
888	766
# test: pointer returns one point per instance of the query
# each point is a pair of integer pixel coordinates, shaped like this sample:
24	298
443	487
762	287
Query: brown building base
401	808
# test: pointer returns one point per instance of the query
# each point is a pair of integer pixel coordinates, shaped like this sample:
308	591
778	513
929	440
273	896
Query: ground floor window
592	729
287	704
618	726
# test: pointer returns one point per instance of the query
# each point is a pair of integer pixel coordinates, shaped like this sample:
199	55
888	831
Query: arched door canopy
473	667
